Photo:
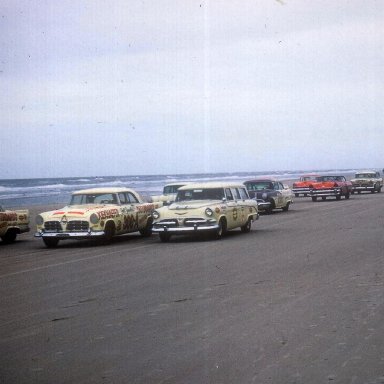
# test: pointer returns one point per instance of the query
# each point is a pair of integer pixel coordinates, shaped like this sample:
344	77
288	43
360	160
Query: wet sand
300	299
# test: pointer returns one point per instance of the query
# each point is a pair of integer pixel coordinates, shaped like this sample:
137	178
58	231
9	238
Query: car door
130	218
286	193
240	197
279	201
232	211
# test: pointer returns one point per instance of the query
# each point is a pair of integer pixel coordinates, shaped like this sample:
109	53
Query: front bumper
70	235
301	190
325	192
196	228
356	188
263	205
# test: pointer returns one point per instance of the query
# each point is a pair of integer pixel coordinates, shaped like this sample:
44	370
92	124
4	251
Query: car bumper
263	205
325	192
195	228
300	190
363	188
70	235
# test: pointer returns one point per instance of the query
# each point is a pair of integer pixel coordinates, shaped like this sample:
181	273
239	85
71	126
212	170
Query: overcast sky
155	87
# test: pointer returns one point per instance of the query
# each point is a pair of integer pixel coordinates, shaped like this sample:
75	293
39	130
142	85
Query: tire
50	242
109	232
297	195
305	194
314	198
379	190
164	237
9	237
271	207
147	231
323	198
359	192
338	197
352	192
285	209
347	196
220	232
247	226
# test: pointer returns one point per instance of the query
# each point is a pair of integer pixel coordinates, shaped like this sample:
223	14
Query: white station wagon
206	207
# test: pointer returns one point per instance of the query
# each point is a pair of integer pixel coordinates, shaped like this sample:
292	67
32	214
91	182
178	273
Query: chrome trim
67	235
184	229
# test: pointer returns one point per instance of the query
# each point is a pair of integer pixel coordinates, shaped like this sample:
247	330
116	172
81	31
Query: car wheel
50	242
352	192
285	209
323	198
220	232
164	236
305	194
379	190
247	226
359	192
271	207
338	197
347	196
147	231
109	232
314	198
9	237
297	195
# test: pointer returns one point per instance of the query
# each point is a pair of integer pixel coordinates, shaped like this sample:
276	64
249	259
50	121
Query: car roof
366	171
212	184
263	181
179	183
103	190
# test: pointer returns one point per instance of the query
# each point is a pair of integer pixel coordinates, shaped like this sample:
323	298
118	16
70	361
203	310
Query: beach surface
299	299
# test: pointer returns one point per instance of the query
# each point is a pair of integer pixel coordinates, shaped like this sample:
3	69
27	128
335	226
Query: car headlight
94	219
209	212
39	220
155	215
264	196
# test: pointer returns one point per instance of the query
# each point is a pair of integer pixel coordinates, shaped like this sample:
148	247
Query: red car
302	186
326	186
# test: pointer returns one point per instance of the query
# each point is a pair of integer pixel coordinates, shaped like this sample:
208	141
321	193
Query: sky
100	87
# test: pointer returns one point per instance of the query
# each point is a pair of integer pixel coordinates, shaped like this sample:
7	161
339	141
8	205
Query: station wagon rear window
200	194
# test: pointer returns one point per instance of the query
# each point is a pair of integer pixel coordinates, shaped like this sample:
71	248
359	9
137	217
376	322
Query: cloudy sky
120	87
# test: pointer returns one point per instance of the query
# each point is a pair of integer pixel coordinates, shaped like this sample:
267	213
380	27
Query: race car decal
130	221
147	208
8	216
108	214
234	213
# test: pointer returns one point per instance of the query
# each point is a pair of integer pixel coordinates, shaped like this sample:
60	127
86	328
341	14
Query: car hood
364	180
193	204
79	211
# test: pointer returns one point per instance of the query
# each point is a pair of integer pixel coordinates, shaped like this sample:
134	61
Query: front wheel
285	209
297	195
338	197
109	232
222	229
247	226
347	196
164	236
314	198
9	237
50	242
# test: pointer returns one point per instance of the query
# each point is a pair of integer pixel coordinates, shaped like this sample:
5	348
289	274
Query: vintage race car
206	207
325	186
96	213
270	194
169	194
370	181
301	187
12	223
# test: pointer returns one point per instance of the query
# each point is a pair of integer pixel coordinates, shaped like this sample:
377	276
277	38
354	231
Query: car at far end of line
367	181
98	213
330	186
212	207
169	193
13	223
270	194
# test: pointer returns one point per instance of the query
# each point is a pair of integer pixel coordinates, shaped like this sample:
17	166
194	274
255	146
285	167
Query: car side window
131	198
281	186
243	193
123	198
276	186
236	193
228	194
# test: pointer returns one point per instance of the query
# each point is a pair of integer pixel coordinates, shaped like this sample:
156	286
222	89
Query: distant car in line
330	186
369	181
301	187
13	223
98	213
270	194
213	207
169	193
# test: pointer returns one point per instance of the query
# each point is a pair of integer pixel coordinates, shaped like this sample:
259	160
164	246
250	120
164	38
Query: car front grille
78	226
168	223
52	226
194	221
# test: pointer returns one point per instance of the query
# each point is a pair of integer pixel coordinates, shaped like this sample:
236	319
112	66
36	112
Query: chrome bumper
363	188
263	205
325	192
301	190
70	235
195	228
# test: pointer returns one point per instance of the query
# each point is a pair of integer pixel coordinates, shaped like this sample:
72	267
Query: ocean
27	192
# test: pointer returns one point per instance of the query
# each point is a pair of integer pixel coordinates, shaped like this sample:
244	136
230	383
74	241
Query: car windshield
171	189
94	198
259	186
200	194
364	175
330	178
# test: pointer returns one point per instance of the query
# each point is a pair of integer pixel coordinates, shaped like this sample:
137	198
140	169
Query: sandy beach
299	299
